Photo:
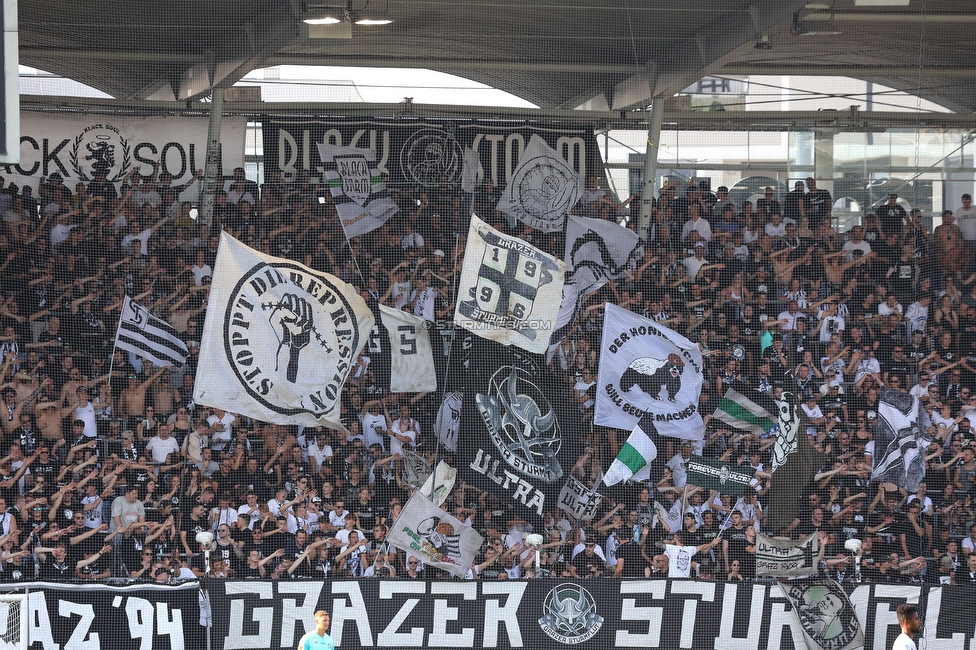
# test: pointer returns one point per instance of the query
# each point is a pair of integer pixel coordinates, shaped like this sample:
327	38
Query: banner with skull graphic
279	339
648	370
515	444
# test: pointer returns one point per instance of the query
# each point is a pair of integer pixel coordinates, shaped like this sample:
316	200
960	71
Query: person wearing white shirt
695	263
856	243
221	428
320	452
696	224
162	447
404	431
279	503
424	297
250	509
911	624
374	425
966	218
299	518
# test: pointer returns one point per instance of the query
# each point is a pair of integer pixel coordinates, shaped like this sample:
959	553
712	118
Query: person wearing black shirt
630	561
767	206
817	204
892	216
794	203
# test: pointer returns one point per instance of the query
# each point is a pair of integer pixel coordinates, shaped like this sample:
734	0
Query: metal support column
649	188
212	174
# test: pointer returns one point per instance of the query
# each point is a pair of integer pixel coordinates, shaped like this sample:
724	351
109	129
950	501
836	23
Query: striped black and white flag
149	337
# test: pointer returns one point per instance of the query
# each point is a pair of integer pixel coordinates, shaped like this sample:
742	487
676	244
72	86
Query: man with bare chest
166	398
132	401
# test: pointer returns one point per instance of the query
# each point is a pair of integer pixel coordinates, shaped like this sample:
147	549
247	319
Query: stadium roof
609	55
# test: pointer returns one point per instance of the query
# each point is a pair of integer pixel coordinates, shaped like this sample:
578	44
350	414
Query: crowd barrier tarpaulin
540	614
102	617
418	153
76	146
370	613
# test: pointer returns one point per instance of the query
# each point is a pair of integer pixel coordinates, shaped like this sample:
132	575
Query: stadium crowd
108	468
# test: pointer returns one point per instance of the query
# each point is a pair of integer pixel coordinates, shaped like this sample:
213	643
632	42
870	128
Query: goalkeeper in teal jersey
317	639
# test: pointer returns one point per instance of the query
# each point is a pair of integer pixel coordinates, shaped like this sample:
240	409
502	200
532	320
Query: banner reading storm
279	338
646	369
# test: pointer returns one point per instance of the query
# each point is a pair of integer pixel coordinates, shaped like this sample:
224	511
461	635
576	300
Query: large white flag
279	338
543	189
647	369
411	358
435	537
357	188
509	290
149	337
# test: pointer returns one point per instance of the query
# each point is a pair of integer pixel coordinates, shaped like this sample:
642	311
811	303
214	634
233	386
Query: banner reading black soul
520	439
418	153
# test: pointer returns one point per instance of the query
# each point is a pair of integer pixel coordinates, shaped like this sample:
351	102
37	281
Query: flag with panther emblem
647	370
509	290
357	188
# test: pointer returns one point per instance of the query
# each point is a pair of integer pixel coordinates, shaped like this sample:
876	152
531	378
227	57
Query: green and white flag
633	463
740	412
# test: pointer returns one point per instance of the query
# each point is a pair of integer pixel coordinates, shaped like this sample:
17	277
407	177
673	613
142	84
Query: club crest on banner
570	615
428	154
100	149
543	188
522	424
825	613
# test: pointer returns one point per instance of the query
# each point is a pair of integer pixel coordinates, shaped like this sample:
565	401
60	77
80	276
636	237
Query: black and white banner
360	195
515	441
75	145
373	613
149	337
596	251
900	440
783	557
543	189
647	369
825	613
509	290
578	500
417	154
544	613
279	338
96	617
411	358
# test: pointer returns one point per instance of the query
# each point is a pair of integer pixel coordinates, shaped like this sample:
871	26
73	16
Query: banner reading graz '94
417	154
